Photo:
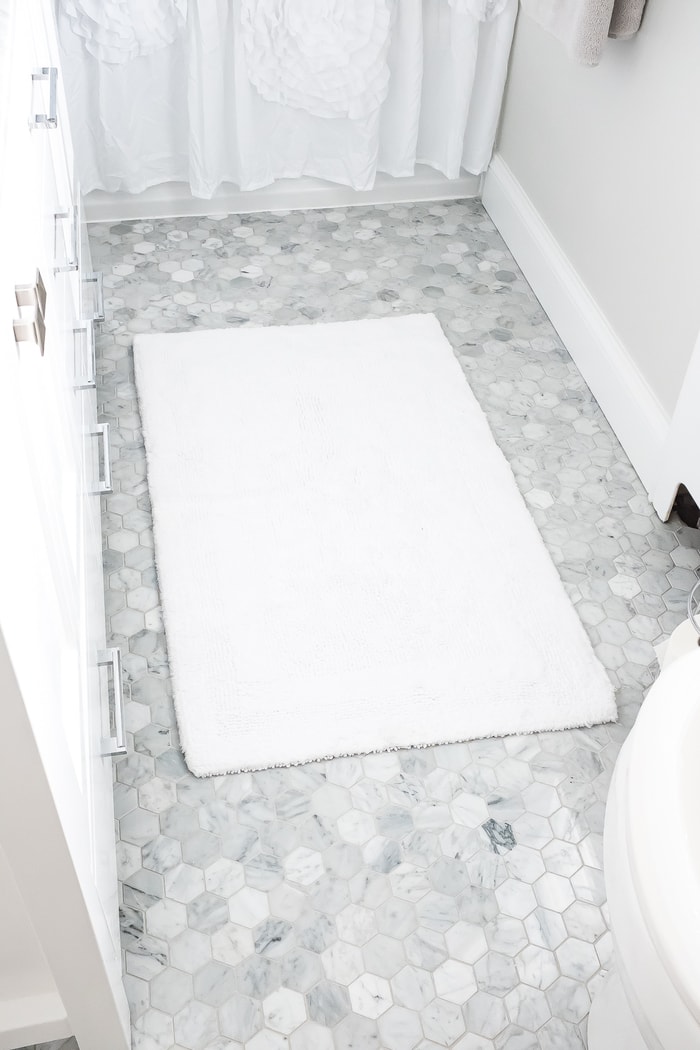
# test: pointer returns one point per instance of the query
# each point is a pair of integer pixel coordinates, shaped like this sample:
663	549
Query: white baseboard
174	199
630	405
32	1019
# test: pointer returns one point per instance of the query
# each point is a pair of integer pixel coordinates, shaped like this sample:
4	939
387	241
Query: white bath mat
345	561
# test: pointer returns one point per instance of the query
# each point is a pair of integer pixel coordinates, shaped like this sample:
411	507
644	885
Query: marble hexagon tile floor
440	897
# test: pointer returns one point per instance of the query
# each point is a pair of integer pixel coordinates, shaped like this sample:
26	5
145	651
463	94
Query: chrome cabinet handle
30	326
72	262
115	744
96	279
101	430
85	374
50	119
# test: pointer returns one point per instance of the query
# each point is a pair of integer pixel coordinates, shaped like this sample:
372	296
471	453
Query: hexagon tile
445	897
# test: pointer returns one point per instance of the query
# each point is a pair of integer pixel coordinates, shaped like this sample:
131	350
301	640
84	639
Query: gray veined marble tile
342	962
284	1010
356	1030
537	967
568	999
274	938
455	981
258	977
527	1007
370	995
496	973
328	1002
516	898
500	835
332	893
240	1018
383	956
356	924
584	921
545	928
446	896
577	959
442	1022
316	931
301	970
215	983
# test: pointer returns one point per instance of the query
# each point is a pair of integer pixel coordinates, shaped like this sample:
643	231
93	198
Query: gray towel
583	25
626	18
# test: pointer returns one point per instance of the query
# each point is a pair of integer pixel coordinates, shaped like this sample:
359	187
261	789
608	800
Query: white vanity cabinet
60	961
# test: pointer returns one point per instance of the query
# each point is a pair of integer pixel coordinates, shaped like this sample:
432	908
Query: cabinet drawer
100	686
60	695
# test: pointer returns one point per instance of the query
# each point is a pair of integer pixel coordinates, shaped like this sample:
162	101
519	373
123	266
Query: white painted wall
610	159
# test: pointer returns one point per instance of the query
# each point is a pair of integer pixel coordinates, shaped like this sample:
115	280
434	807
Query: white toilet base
652	845
611	1025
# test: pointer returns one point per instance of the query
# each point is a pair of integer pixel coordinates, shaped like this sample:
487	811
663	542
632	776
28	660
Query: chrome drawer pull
116	744
72	262
86	377
102	431
96	279
50	119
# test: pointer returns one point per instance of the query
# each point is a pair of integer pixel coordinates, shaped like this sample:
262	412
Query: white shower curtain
223	91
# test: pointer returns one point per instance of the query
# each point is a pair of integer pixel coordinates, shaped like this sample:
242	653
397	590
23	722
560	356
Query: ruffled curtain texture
249	91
